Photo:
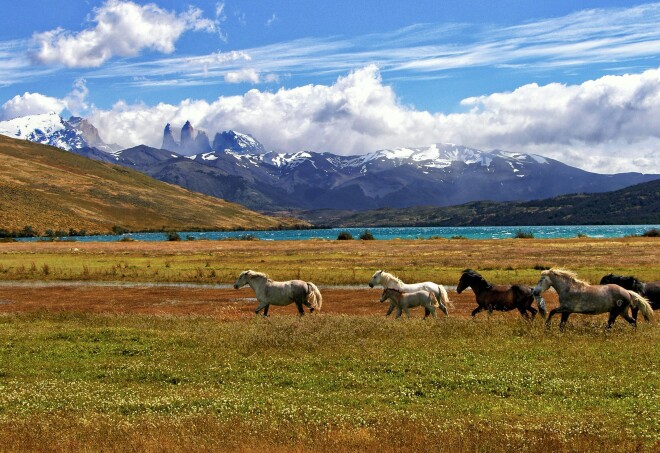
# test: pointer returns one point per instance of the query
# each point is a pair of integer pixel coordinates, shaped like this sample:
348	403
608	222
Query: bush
652	233
520	234
173	236
366	236
344	236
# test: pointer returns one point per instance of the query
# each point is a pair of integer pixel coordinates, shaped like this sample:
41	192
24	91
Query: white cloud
606	125
30	104
244	75
123	28
36	103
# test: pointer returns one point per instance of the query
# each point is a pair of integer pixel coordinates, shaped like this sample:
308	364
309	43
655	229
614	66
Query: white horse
387	280
403	301
280	293
577	296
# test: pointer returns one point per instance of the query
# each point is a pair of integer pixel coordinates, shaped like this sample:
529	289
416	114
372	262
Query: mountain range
638	205
238	168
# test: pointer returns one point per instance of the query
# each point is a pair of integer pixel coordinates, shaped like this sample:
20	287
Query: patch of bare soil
219	303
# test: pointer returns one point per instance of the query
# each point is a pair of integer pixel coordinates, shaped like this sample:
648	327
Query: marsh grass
78	381
331	262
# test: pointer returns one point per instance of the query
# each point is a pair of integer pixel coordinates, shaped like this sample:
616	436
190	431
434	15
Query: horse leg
532	310
299	306
477	310
564	318
523	313
433	311
632	321
308	305
261	306
399	310
550	315
391	309
426	312
634	313
266	310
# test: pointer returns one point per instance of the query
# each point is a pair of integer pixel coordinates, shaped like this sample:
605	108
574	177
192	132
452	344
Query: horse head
544	283
471	278
389	293
242	279
375	280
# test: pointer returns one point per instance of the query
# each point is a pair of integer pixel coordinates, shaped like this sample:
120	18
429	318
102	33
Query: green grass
329	262
89	382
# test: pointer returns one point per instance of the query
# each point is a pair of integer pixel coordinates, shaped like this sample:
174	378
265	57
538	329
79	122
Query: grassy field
154	369
329	262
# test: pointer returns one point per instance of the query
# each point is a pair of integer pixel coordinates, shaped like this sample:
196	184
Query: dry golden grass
48	188
331	262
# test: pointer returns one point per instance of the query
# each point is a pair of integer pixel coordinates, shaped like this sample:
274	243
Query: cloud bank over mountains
584	125
589	122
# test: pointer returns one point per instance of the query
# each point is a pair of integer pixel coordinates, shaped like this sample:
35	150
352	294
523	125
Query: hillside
638	204
48	188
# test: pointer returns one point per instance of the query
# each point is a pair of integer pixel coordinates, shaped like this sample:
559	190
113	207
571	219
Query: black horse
499	297
650	290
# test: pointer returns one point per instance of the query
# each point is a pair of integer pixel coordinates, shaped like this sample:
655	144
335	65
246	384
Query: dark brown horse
499	297
650	290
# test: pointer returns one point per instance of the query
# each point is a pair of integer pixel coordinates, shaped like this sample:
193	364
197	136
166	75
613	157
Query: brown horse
499	297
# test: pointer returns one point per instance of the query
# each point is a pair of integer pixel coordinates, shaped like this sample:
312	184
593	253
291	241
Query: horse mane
257	274
566	275
392	277
476	275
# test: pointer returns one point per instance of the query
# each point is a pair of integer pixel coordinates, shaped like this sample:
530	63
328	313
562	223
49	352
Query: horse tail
314	296
444	297
642	303
434	300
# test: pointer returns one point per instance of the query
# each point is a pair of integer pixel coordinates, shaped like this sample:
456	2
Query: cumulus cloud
606	125
30	104
36	103
123	28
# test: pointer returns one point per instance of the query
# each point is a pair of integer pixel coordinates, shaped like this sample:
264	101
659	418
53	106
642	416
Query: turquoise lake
493	232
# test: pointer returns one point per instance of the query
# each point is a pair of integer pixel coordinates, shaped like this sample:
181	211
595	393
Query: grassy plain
96	368
328	262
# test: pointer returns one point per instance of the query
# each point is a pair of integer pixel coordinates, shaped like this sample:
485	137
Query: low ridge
48	188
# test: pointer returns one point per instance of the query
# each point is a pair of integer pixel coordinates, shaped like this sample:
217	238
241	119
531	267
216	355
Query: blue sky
565	79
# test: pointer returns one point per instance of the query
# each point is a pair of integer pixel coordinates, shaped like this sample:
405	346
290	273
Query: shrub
520	234
173	236
367	236
117	230
344	236
652	233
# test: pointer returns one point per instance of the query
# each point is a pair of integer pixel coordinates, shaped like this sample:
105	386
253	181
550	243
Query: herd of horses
615	295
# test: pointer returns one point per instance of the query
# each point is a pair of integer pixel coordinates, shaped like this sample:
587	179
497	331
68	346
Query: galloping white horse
280	293
577	296
390	281
404	301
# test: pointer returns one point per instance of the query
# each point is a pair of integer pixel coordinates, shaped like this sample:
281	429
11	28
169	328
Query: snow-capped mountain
238	168
192	143
51	129
439	174
47	129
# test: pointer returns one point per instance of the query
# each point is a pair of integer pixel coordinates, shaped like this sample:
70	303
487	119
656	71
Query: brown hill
48	188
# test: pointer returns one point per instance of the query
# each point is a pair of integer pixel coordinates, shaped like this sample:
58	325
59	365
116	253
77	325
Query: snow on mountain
47	129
